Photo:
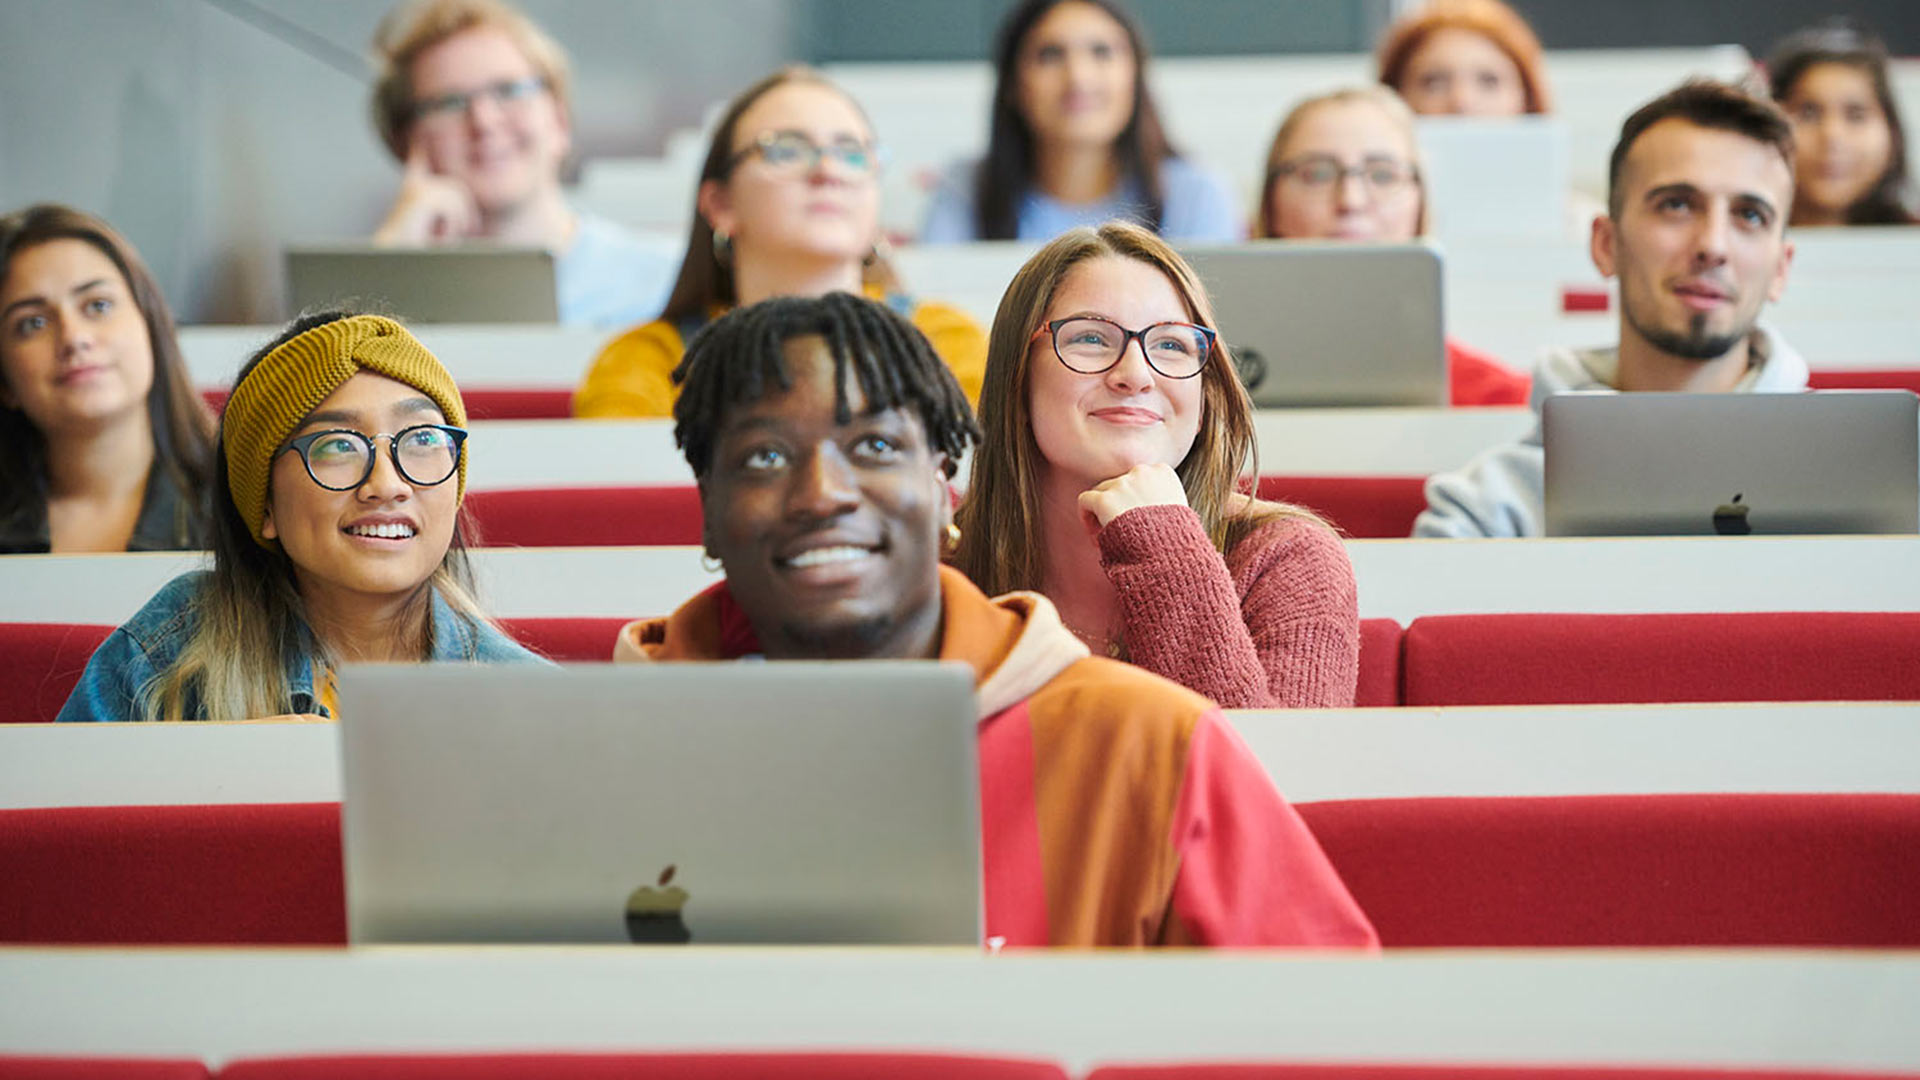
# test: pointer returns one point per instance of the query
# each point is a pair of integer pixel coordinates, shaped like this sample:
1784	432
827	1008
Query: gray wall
213	131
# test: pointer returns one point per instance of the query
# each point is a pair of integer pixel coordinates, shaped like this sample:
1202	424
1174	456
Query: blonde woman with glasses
1116	432
788	205
338	476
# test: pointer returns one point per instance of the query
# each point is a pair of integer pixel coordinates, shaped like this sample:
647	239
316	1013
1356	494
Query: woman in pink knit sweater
1109	479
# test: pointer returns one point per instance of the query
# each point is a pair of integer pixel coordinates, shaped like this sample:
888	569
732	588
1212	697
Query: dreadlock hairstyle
739	356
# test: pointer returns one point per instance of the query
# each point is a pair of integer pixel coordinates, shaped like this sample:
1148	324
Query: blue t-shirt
610	278
1199	207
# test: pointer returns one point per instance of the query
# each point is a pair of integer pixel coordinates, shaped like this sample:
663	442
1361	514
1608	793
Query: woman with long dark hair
104	446
1850	163
1075	139
336	536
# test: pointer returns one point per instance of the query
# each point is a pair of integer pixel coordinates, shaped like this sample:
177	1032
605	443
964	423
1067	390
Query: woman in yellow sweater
789	205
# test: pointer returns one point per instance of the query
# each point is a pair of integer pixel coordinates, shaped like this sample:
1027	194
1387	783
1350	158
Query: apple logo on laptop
653	915
1730	519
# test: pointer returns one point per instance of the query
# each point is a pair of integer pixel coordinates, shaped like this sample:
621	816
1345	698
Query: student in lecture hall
788	205
328	547
1345	166
1832	81
472	99
1465	58
1108	479
824	433
1075	139
104	446
1700	183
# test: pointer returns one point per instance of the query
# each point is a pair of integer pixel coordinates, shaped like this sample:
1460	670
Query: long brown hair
705	282
182	425
1890	200
1006	172
999	518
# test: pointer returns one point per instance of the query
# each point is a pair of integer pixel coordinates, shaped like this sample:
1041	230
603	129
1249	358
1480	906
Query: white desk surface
1312	755
1787	1008
1398	579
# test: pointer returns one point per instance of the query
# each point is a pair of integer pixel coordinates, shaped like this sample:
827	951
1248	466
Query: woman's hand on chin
1143	485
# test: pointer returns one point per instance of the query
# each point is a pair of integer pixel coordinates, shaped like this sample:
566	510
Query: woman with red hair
1465	58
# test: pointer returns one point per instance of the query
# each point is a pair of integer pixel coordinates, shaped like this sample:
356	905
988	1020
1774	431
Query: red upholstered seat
1380	646
1582	659
488	403
1368	507
1459	1072
173	875
1883	379
586	517
630	1066
572	640
1638	870
25	1067
39	665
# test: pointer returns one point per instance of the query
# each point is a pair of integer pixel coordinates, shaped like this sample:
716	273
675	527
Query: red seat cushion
1368	507
1884	379
568	639
1639	870
174	875
1460	1072
1379	663
39	665
29	1067
1580	659
628	1066
586	517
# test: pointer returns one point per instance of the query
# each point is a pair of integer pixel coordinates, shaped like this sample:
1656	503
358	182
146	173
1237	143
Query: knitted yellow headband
292	380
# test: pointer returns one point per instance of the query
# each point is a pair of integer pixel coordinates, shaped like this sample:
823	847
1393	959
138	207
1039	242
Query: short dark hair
1708	104
1839	41
735	358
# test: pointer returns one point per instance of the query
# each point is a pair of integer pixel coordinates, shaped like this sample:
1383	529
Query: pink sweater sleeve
1274	624
1250	872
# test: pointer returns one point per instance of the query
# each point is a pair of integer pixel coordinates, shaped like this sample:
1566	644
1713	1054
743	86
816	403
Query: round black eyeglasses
341	459
1090	345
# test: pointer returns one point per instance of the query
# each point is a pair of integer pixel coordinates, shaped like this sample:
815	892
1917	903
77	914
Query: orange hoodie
1117	808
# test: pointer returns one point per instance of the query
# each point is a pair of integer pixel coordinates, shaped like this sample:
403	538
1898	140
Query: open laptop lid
1505	177
465	283
1834	461
1329	323
794	802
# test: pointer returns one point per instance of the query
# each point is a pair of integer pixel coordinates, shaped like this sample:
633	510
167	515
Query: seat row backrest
1438	660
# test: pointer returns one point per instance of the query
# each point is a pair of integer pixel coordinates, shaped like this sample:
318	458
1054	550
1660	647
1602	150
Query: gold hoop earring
953	537
880	251
722	247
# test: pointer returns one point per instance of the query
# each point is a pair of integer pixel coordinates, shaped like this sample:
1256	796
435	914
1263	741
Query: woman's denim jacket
152	640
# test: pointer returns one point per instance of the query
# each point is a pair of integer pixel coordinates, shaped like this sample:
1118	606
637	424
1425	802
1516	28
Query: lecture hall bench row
556	402
844	1065
1436	660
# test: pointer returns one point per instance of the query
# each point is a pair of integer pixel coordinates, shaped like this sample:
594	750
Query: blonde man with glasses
472	99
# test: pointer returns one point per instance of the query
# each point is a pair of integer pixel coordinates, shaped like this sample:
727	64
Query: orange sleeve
633	375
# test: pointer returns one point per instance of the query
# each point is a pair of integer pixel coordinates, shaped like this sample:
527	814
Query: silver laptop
778	803
1329	324
463	283
1496	178
1834	461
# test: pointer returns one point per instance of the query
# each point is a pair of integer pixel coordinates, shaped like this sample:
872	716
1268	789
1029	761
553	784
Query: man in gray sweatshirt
1699	187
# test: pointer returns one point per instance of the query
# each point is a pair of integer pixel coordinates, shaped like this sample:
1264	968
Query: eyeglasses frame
817	153
504	92
1052	332
1286	170
303	444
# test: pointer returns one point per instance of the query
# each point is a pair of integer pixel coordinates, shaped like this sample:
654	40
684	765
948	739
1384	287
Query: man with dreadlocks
1117	808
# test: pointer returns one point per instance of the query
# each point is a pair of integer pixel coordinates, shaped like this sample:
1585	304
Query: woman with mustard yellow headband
328	546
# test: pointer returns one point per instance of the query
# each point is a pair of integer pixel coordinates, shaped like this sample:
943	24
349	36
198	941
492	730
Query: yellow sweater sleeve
959	341
633	375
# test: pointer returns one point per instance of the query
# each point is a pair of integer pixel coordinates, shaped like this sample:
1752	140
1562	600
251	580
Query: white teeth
824	556
391	531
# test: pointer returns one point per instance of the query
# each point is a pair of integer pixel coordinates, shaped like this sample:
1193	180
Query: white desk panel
477	356
1312	755
1673	1007
1398	579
